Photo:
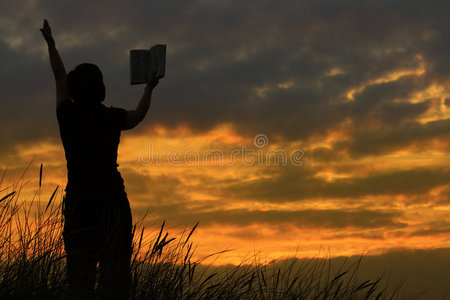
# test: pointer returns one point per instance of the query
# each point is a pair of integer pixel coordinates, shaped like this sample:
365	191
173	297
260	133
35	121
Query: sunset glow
182	190
284	129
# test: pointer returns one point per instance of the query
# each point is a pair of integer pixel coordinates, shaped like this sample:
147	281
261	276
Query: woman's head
85	84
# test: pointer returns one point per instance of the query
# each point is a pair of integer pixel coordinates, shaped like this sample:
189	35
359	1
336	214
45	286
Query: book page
139	66
158	60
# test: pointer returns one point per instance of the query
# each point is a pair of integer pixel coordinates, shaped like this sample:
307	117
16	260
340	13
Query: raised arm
57	65
134	117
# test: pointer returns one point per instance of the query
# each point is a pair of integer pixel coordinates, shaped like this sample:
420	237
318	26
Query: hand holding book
152	82
144	62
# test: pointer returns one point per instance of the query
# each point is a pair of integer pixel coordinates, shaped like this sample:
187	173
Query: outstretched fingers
47	32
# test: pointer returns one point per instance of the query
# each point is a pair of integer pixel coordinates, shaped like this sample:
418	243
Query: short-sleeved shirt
90	135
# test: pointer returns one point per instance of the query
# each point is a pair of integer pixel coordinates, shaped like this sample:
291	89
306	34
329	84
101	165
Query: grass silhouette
32	263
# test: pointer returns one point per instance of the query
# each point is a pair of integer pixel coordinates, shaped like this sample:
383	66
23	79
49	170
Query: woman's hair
85	84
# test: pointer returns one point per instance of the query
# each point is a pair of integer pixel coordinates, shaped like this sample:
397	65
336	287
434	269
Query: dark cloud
26	96
147	190
369	235
376	102
416	274
221	53
422	270
433	229
409	272
447	102
300	218
388	138
295	184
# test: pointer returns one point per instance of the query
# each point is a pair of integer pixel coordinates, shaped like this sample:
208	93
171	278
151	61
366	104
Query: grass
32	263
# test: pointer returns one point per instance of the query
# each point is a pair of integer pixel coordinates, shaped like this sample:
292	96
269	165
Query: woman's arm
57	65
134	117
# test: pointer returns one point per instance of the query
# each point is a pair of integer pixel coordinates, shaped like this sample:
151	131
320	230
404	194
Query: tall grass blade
40	176
9	195
51	198
190	233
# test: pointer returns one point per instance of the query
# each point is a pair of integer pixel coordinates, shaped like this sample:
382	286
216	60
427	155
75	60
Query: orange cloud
234	218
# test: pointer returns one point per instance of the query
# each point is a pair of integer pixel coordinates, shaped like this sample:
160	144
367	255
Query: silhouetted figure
97	216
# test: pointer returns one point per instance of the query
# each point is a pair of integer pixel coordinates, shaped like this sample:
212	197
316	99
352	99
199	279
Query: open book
144	62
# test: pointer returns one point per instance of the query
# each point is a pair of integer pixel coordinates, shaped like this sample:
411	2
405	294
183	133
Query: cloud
427	273
348	82
300	219
149	190
433	228
291	184
411	272
220	55
393	138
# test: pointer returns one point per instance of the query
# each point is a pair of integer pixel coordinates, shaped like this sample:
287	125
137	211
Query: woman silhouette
97	216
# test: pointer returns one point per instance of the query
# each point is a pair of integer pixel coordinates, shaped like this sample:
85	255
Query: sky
283	127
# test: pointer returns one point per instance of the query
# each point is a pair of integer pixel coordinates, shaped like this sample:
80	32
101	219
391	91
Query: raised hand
59	71
47	33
